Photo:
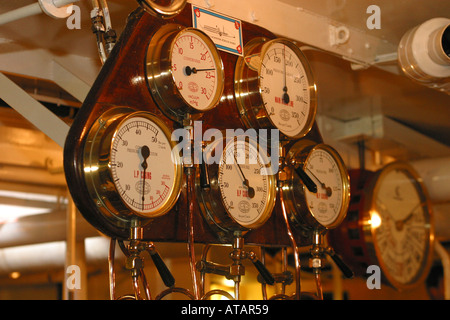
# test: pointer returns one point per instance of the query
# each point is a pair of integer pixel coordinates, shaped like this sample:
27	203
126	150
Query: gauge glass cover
245	183
327	203
196	69
143	166
285	88
400	226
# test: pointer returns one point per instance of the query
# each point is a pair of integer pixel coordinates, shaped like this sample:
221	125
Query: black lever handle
307	181
163	271
204	176
348	273
265	274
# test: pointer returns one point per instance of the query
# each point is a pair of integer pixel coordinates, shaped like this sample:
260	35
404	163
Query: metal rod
30	10
24	12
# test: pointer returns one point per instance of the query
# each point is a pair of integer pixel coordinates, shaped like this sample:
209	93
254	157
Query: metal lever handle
348	273
265	274
163	271
307	181
214	268
204	176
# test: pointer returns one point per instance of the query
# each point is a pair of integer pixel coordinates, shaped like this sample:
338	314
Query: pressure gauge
275	88
399	225
131	166
184	71
390	225
236	187
318	189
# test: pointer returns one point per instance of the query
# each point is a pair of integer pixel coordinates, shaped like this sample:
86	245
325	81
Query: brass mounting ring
165	12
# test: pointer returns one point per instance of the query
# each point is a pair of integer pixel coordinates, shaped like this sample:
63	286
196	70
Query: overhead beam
42	118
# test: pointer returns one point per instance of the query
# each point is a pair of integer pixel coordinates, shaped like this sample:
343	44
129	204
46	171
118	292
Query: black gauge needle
194	70
251	191
327	189
310	185
145	152
285	89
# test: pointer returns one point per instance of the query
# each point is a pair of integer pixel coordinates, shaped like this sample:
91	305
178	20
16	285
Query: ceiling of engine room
415	106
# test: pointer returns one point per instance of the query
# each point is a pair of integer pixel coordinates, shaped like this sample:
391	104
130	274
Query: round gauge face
196	69
285	89
245	183
143	167
400	226
329	203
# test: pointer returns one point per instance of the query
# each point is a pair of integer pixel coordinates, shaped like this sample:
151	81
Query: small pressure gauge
274	88
317	192
131	166
240	190
184	71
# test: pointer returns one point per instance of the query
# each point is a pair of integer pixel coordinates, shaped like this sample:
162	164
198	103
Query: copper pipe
263	284
202	275
175	289
112	274
218	291
318	285
294	246
137	291
191	251
145	285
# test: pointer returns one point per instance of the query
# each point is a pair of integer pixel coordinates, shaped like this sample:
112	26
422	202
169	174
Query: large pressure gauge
239	193
389	224
400	228
275	88
317	192
131	166
184	71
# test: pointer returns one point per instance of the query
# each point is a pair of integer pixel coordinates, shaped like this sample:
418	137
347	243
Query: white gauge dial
401	231
245	183
284	86
143	168
195	70
184	71
327	204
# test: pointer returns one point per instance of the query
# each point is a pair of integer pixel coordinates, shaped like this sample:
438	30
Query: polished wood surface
122	82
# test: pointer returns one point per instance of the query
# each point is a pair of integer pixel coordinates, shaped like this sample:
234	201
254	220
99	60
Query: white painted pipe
53	8
51	256
43	228
436	177
27	11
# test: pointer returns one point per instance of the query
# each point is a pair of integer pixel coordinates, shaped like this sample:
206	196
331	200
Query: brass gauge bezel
249	93
160	74
98	170
374	251
294	190
211	201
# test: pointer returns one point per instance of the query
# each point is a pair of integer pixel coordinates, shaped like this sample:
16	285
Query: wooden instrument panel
122	82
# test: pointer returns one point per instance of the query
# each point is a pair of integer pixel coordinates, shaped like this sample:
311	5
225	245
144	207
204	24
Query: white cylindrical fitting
423	53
